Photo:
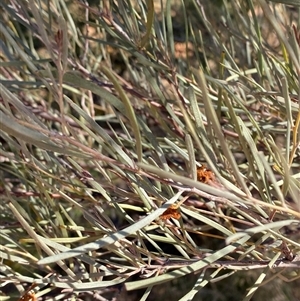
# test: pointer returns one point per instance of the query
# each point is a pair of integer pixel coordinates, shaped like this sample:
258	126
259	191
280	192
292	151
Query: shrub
149	150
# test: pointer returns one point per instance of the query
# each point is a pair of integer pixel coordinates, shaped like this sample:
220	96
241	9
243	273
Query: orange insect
171	212
205	175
